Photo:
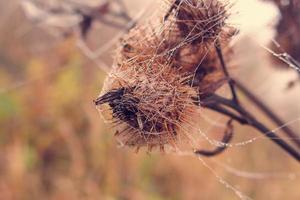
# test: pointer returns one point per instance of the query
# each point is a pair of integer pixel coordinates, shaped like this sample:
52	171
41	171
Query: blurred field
54	145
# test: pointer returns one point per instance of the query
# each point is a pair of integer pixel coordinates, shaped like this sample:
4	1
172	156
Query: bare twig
231	83
244	117
223	144
250	120
222	110
263	107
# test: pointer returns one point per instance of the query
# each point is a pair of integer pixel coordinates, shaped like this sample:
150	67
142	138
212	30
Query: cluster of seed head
161	72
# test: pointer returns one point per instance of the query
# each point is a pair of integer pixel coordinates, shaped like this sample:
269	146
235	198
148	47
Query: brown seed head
150	109
202	21
153	91
199	62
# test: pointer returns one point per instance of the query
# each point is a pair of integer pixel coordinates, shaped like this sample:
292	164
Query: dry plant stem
248	119
218	103
255	100
289	132
226	73
223	144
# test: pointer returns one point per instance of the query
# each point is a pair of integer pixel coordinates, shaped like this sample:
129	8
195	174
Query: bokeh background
54	145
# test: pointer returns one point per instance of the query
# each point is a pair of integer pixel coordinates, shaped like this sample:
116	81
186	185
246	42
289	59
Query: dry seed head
203	64
202	21
148	42
147	45
150	109
193	53
152	93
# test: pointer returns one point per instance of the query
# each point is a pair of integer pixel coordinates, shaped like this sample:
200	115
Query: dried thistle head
158	78
204	66
148	42
199	62
150	109
202	21
191	51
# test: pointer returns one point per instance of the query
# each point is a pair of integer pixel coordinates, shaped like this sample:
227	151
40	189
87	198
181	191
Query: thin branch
267	132
228	134
251	121
226	73
224	111
248	118
263	107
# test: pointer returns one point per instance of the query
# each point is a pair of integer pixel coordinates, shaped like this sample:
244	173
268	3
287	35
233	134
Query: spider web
243	143
203	133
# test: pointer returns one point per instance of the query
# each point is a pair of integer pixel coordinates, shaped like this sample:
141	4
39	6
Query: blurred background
54	145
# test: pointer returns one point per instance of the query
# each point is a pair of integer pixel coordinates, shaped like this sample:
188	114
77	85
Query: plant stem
226	112
250	120
263	107
226	73
223	144
247	118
